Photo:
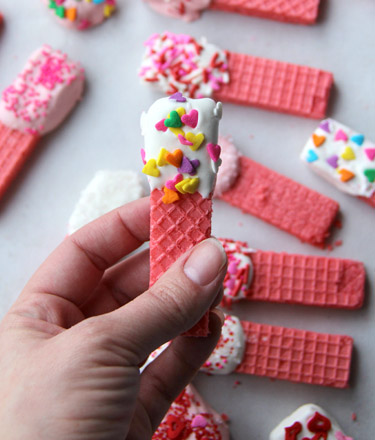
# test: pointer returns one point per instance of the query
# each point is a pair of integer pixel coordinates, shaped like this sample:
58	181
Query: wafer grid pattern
296	355
297	11
15	148
275	85
176	228
308	280
282	202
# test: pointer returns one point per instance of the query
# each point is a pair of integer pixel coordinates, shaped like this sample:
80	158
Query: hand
72	343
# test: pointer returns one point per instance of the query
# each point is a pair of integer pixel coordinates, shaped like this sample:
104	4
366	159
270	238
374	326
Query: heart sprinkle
318	140
214	151
173	120
160	126
178	97
184	141
175	158
191	119
151	169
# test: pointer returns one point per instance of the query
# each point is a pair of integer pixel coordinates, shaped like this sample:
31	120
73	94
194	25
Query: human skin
72	343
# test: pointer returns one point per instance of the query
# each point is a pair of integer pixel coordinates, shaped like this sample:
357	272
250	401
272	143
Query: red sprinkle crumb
354	417
236	383
225	417
338	243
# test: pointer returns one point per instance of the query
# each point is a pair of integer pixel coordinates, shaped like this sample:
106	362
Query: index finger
75	268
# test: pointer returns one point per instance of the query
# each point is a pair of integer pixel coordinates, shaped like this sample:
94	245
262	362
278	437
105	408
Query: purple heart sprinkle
186	166
177	97
325	126
333	161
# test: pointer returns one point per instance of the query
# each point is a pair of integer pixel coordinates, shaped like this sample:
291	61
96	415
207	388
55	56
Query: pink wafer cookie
275	85
292	279
295	11
15	147
181	159
296	355
176	228
40	98
191	418
282	202
197	68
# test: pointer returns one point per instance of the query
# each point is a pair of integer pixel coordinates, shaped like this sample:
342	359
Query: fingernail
205	262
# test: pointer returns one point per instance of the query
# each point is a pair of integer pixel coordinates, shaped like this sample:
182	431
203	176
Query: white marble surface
104	132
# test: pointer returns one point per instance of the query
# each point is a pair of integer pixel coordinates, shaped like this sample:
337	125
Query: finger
119	285
166	377
173	305
74	269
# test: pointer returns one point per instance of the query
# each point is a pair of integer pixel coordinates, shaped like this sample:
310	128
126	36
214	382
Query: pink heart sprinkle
214	151
143	155
199	422
160	126
370	153
341	135
190	119
184	141
171	184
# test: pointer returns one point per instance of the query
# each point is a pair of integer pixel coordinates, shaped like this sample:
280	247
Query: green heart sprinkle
370	174
174	120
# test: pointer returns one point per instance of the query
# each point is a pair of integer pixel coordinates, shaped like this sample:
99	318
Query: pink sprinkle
232	268
199	422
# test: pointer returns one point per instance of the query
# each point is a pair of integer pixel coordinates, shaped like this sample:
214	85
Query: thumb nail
205	262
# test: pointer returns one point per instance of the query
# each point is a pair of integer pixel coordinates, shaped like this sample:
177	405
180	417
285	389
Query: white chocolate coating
209	115
191	418
43	94
87	13
303	415
229	352
338	142
107	190
188	10
240	270
202	66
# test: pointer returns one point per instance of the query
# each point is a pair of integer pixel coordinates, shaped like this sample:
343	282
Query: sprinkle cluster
239	275
319	425
29	97
228	352
186	419
176	62
71	13
339	152
186	179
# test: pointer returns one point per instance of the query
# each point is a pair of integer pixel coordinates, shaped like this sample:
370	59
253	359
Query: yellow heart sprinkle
188	185
151	169
109	10
177	131
195	139
161	158
348	154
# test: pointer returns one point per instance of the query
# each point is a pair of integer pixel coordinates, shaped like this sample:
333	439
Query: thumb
173	305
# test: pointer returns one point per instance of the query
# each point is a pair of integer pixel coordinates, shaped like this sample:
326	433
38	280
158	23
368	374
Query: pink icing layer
188	10
230	166
87	14
43	94
191	418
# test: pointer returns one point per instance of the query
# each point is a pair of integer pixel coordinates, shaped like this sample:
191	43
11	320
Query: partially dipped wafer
294	11
181	160
279	353
191	418
276	199
197	68
40	98
309	280
81	14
